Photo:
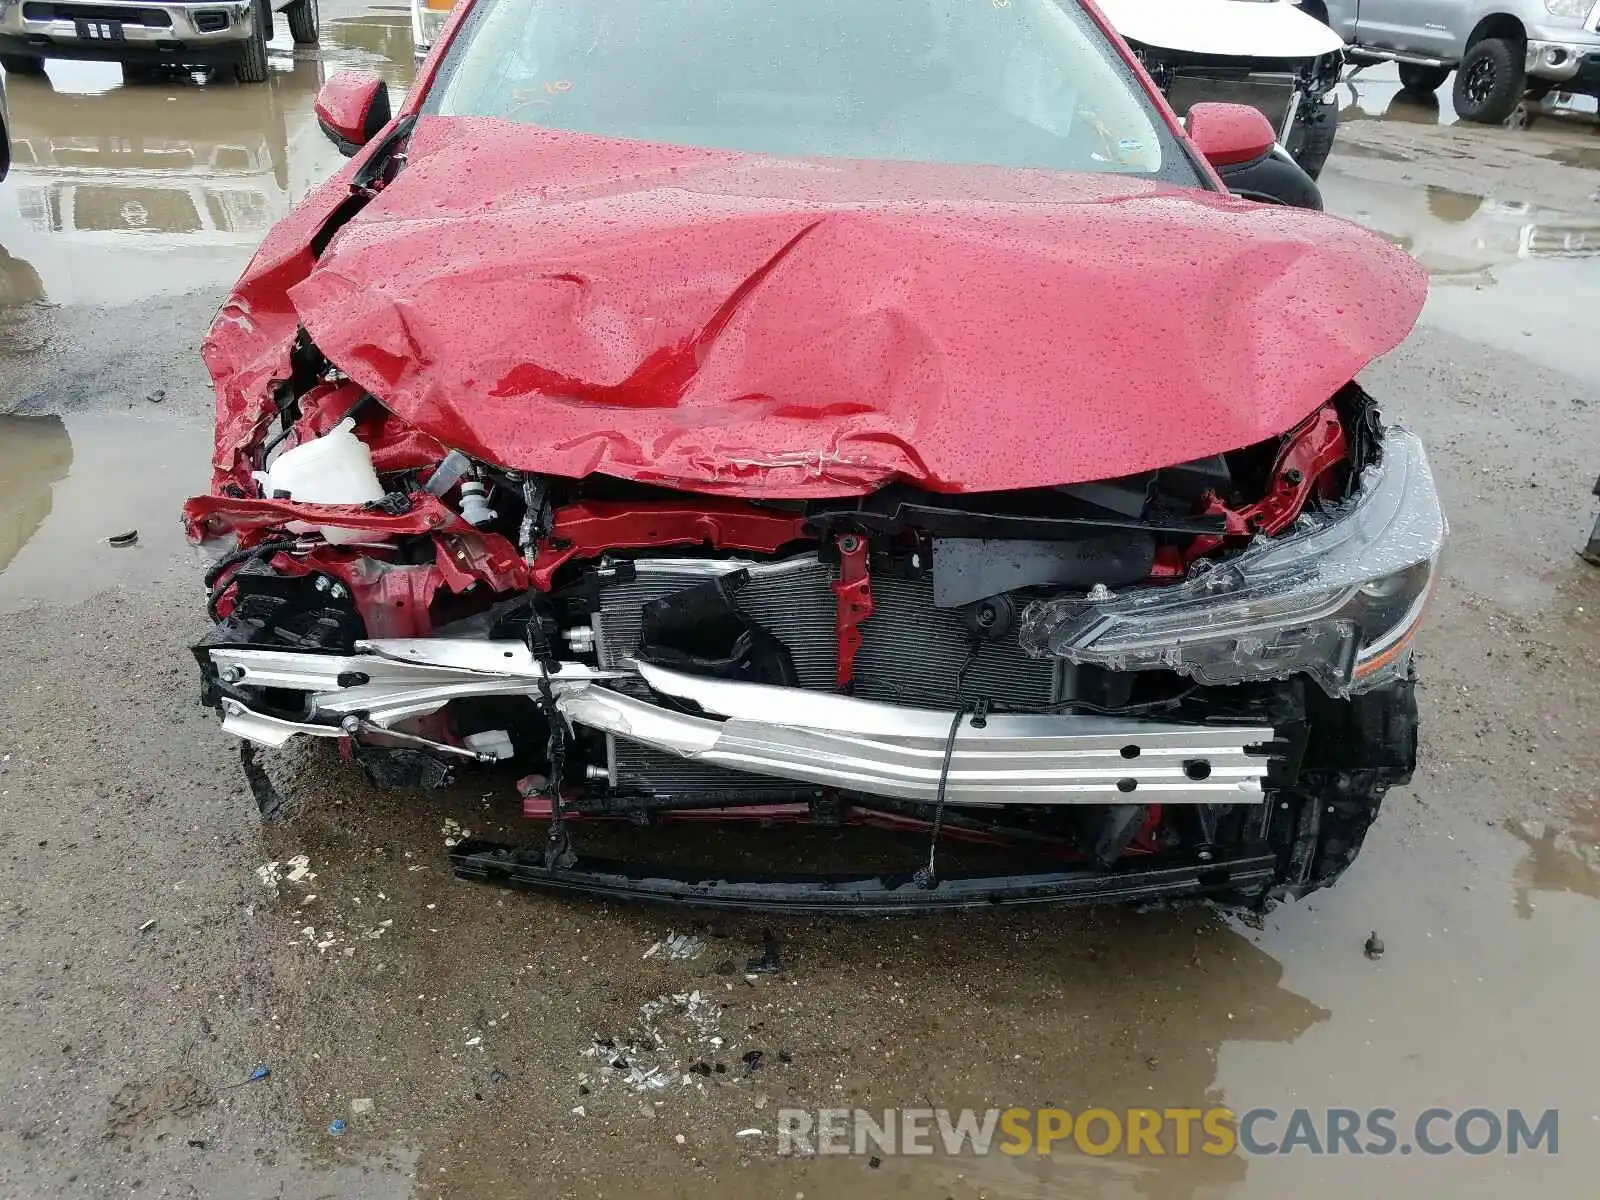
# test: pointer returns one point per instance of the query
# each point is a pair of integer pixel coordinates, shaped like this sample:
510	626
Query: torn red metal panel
463	556
1310	450
467	557
247	348
394	602
587	530
214	516
395	445
729	323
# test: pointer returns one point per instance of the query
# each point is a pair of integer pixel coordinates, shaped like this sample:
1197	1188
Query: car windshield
1020	83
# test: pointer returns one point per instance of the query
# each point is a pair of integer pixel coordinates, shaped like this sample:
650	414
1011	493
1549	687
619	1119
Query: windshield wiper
366	183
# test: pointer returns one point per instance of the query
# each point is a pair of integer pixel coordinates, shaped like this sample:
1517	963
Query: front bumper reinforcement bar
816	738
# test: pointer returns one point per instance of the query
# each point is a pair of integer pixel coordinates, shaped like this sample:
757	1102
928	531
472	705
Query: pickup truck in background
1502	51
147	34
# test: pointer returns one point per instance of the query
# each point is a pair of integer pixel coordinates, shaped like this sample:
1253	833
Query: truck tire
1490	81
21	64
1311	139
1420	80
251	66
304	24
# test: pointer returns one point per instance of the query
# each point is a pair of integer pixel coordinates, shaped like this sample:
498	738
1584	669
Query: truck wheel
1490	81
20	64
1311	139
303	22
252	64
1424	81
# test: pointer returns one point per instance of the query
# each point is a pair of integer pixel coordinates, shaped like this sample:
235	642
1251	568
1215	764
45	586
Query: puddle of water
21	293
1480	1000
1575	156
1476	1003
35	454
1375	93
1563	854
351	1176
1108	1008
19	282
66	486
119	192
378	39
1361	150
251	1166
1517	276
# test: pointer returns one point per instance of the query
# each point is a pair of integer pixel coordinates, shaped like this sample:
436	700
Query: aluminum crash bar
811	737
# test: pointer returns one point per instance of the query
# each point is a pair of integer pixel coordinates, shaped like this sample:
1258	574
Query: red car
817	411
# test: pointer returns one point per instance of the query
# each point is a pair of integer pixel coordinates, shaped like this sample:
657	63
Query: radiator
1273	95
911	653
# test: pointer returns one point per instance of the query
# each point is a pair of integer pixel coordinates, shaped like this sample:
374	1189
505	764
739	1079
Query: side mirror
351	108
1227	134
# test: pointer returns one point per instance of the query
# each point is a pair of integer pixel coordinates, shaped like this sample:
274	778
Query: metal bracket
396	504
853	594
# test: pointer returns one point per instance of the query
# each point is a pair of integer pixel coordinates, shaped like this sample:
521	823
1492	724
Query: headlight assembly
1337	598
1568	8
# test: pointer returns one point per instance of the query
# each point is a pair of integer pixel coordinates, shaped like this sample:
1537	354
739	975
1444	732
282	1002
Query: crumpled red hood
731	323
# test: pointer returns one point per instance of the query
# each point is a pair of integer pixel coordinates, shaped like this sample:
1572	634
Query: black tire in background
304	24
1420	80
1490	81
1311	139
251	66
21	64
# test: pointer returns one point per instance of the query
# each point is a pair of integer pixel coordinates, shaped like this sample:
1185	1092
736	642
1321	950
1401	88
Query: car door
1430	27
1340	15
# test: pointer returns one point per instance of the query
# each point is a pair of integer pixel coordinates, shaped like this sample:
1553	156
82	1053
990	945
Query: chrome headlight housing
1337	598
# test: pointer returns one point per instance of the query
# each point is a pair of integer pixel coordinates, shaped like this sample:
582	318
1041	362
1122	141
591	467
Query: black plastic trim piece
1236	872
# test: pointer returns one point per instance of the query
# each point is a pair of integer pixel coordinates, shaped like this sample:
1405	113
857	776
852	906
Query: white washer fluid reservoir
335	468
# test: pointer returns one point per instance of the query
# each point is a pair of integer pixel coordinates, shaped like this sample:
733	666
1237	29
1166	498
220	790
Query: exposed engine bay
1194	679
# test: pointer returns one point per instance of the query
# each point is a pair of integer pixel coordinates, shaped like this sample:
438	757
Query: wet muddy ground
146	969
